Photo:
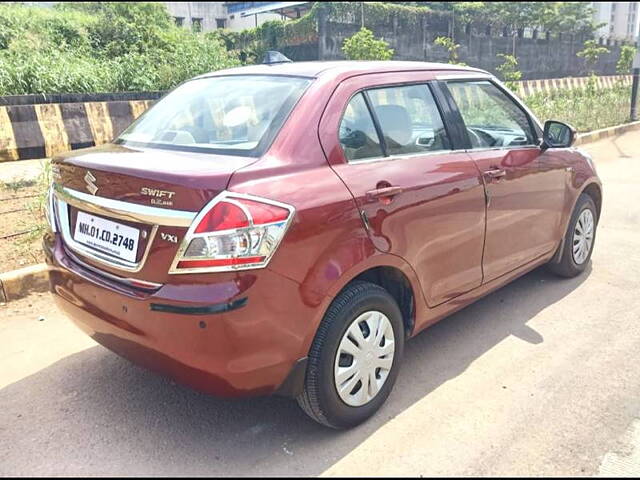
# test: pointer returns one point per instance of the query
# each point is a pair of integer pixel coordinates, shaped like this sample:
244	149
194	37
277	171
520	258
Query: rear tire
363	319
579	239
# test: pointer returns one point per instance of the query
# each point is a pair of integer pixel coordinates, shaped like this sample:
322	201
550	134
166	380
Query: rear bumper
238	334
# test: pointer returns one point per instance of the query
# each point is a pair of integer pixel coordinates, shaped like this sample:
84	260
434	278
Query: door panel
426	207
524	195
436	223
522	212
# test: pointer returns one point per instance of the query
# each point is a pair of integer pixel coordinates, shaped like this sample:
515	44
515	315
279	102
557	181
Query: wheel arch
394	281
595	192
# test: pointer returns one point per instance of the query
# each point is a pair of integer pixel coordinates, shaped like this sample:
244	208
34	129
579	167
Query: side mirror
557	135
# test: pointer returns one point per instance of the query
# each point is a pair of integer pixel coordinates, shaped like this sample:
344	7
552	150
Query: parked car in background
285	228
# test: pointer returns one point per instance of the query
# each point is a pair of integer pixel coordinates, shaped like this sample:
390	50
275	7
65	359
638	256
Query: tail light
233	232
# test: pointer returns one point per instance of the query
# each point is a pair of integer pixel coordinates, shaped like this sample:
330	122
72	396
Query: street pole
634	87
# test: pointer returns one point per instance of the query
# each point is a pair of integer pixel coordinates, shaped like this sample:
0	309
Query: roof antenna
271	57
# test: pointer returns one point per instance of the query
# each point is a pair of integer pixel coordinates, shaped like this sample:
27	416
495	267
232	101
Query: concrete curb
24	281
603	133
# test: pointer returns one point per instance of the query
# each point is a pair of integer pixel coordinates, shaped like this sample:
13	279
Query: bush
451	47
45	24
364	46
586	109
625	61
48	70
591	52
509	71
82	47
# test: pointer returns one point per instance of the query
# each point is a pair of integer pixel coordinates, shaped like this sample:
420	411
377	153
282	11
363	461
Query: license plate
113	238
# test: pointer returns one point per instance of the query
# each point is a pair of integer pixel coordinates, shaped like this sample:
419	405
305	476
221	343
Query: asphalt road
539	378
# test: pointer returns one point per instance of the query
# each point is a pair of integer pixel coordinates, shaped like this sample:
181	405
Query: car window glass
232	114
491	118
357	133
409	119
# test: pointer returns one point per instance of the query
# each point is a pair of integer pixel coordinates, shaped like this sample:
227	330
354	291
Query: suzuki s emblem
91	186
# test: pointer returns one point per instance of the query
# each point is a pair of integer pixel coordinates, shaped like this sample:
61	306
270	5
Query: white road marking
624	463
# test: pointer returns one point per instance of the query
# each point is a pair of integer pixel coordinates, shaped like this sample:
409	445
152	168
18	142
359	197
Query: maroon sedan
286	228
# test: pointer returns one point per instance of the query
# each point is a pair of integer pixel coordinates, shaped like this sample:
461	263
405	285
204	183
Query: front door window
492	119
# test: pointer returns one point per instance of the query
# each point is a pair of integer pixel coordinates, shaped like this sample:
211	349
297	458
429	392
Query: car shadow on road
95	413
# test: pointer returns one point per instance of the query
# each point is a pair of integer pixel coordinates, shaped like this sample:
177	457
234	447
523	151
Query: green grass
586	109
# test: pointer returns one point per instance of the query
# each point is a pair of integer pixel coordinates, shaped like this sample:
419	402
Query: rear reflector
218	262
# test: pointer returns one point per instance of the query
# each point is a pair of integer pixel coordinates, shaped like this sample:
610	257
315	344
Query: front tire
579	239
355	357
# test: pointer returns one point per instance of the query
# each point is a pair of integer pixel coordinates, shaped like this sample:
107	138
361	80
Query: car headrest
395	123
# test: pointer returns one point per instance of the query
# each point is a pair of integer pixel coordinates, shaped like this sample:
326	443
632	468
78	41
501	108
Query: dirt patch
22	224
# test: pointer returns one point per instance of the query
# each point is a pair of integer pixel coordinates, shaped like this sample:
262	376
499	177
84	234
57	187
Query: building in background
207	16
621	19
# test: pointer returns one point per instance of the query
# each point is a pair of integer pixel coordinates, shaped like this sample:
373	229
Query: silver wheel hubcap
583	237
364	358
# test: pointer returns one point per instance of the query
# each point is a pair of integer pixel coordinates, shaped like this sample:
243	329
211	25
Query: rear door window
409	119
358	135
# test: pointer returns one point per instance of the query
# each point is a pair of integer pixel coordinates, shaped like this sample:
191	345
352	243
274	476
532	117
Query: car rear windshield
237	115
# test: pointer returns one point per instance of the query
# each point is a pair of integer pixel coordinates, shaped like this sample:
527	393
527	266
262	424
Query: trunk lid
168	182
140	176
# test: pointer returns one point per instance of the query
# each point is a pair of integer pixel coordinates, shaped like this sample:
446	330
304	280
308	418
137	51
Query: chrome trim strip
50	214
96	255
504	147
124	210
404	156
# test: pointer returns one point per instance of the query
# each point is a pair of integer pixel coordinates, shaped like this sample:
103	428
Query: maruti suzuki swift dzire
285	228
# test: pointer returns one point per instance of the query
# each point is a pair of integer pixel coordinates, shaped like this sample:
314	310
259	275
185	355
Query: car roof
344	68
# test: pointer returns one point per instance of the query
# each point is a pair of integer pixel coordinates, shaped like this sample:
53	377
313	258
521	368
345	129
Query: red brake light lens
263	213
235	232
223	216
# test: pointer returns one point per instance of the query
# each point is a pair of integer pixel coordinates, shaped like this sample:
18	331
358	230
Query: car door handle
495	173
385	192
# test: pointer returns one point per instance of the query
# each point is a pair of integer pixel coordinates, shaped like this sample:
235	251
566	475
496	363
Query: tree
451	47
591	52
565	17
364	46
571	17
509	71
627	52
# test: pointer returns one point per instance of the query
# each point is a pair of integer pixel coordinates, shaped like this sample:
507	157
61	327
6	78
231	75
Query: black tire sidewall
337	412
